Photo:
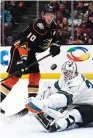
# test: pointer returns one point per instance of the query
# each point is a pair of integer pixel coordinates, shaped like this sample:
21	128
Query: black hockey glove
54	49
22	63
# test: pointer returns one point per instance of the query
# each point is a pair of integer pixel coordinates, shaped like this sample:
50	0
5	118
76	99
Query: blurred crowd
81	19
11	15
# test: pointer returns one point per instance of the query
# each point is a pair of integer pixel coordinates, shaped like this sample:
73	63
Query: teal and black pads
31	105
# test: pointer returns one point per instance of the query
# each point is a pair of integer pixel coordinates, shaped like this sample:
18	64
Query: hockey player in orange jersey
40	35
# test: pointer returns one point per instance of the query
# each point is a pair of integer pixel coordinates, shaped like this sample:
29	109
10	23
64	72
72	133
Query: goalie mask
69	69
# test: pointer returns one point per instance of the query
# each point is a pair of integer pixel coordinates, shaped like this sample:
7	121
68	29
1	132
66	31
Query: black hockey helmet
48	9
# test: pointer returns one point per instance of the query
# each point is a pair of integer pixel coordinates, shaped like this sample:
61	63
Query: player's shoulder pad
39	27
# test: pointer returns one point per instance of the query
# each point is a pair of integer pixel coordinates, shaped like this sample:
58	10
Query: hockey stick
13	118
27	67
24	112
17	116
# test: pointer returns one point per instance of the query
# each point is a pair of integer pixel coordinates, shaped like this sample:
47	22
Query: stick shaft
27	67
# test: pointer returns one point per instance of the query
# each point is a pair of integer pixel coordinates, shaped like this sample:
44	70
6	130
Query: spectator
21	7
85	19
67	5
89	12
12	15
7	23
64	30
85	28
7	5
82	34
90	39
90	8
76	19
15	12
55	4
64	11
80	7
7	18
58	17
78	36
90	22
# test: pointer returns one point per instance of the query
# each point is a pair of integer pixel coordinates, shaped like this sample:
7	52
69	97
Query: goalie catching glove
54	49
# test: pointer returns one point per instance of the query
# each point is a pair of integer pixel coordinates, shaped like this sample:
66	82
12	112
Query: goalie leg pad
45	122
33	108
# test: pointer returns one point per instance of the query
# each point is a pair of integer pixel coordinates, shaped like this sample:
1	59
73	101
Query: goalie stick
20	114
25	111
12	118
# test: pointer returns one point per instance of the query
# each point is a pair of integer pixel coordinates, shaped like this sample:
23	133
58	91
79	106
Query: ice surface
28	126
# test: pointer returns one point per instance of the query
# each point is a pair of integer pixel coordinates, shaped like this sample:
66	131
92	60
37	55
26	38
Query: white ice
28	126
